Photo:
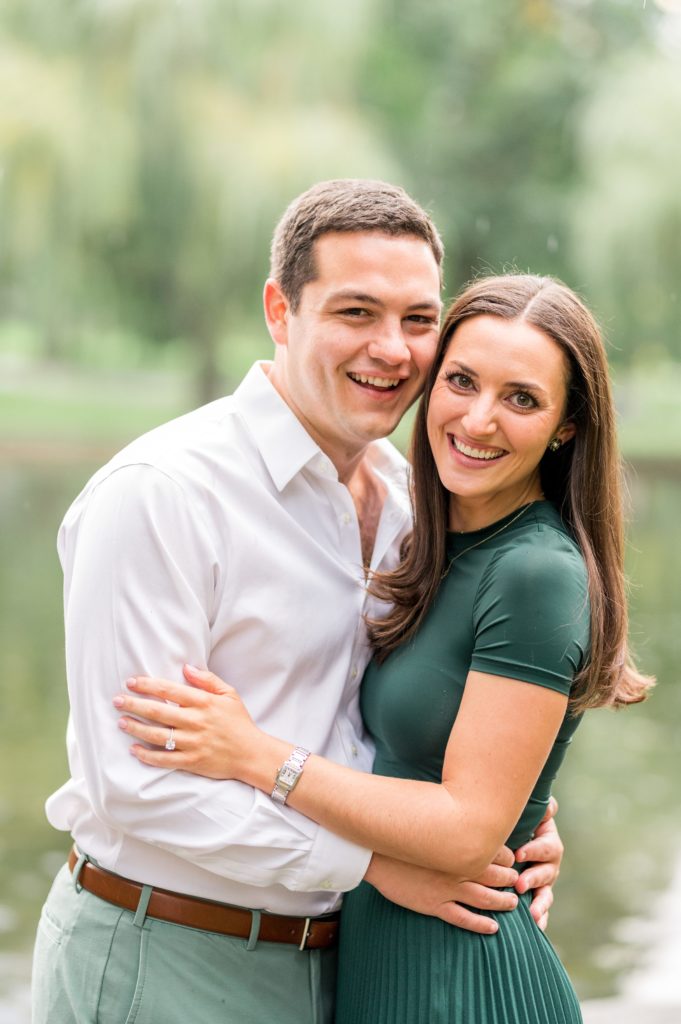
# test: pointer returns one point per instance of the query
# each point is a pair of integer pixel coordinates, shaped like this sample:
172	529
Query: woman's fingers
153	710
202	679
160	758
202	683
154	734
163	689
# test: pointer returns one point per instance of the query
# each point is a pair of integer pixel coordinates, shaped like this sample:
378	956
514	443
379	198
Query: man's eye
419	318
355	311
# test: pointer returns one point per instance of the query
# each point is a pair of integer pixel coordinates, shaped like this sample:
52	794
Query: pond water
620	813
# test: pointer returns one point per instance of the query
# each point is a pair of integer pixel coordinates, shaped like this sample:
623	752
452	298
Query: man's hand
545	852
440	895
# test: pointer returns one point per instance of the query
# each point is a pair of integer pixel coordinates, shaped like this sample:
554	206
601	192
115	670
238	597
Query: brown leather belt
209	916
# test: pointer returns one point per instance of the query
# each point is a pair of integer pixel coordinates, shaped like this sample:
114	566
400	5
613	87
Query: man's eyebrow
347	295
520	384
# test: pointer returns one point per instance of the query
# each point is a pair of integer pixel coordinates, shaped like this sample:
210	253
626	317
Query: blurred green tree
147	147
626	222
483	103
144	168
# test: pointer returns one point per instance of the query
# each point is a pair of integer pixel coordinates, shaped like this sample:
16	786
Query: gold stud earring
554	444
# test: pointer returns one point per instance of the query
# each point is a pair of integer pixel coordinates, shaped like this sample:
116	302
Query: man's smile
385	383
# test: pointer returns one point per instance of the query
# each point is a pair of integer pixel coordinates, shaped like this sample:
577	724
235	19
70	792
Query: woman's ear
566	431
277	311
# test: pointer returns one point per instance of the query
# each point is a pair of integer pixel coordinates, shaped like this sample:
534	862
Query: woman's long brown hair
583	479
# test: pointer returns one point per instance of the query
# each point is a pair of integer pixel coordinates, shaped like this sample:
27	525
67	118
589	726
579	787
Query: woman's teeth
476	453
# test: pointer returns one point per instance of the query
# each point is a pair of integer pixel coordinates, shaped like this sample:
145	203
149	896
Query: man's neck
346	459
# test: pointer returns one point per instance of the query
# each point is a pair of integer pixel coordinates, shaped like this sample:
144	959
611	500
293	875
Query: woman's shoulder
542	554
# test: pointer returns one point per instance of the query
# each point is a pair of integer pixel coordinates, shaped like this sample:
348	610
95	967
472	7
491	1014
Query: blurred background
147	148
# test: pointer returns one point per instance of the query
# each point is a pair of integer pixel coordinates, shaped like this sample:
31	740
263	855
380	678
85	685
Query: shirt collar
285	445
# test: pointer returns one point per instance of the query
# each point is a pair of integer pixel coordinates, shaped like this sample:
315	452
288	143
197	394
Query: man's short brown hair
346	204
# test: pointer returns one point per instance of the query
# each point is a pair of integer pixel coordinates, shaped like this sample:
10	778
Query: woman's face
498	400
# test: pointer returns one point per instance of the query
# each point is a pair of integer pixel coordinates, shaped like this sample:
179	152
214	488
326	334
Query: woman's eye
460	380
523	400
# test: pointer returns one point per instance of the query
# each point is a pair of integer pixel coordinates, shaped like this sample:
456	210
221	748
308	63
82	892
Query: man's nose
389	345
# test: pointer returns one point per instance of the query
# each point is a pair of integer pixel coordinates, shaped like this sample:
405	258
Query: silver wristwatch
288	774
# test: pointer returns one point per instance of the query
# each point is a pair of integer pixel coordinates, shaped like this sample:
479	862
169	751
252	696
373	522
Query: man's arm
140	589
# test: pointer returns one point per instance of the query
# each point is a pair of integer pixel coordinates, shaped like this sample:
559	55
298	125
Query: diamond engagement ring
170	742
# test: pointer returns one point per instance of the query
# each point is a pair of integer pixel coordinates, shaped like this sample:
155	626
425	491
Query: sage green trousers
97	964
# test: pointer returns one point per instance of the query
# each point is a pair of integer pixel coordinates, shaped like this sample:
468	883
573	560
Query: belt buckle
306	932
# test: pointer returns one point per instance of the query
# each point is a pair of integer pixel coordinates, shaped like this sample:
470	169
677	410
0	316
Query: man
240	537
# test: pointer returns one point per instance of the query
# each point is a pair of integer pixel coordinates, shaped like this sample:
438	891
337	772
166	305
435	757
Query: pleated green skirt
397	967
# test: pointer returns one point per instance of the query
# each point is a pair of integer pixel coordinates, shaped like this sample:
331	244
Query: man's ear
277	311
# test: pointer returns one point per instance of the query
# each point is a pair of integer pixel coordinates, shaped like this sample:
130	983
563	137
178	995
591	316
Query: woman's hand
214	734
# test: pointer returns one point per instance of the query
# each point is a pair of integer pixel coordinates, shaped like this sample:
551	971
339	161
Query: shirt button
345	518
353	748
327	884
354	673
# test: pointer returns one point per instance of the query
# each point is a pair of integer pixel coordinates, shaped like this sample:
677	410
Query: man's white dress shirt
223	539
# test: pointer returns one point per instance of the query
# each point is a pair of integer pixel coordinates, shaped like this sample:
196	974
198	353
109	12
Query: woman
508	620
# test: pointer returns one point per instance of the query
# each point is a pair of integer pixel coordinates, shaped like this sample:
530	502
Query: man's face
354	355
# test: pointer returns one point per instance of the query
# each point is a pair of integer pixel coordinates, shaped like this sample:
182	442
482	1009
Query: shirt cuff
334	865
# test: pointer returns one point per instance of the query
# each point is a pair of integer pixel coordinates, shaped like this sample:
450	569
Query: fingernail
131	681
520	855
193	668
123	724
118	700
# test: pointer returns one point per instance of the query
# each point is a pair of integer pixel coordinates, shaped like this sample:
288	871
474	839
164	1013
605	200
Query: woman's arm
500	741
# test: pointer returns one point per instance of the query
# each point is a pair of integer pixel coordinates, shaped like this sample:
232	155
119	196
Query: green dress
515	605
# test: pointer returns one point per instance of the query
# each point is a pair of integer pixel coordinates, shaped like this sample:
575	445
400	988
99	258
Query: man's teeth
377	382
476	453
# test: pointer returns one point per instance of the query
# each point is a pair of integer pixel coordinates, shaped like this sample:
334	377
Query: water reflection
620	809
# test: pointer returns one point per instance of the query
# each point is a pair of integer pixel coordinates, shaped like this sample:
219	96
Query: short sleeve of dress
531	613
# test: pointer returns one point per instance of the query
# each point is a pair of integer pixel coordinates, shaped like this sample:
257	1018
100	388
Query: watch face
288	775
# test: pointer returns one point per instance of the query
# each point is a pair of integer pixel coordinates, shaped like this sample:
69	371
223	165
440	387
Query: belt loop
255	930
141	912
75	875
306	932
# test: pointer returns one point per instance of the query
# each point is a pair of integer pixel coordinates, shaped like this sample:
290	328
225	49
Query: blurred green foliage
148	146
